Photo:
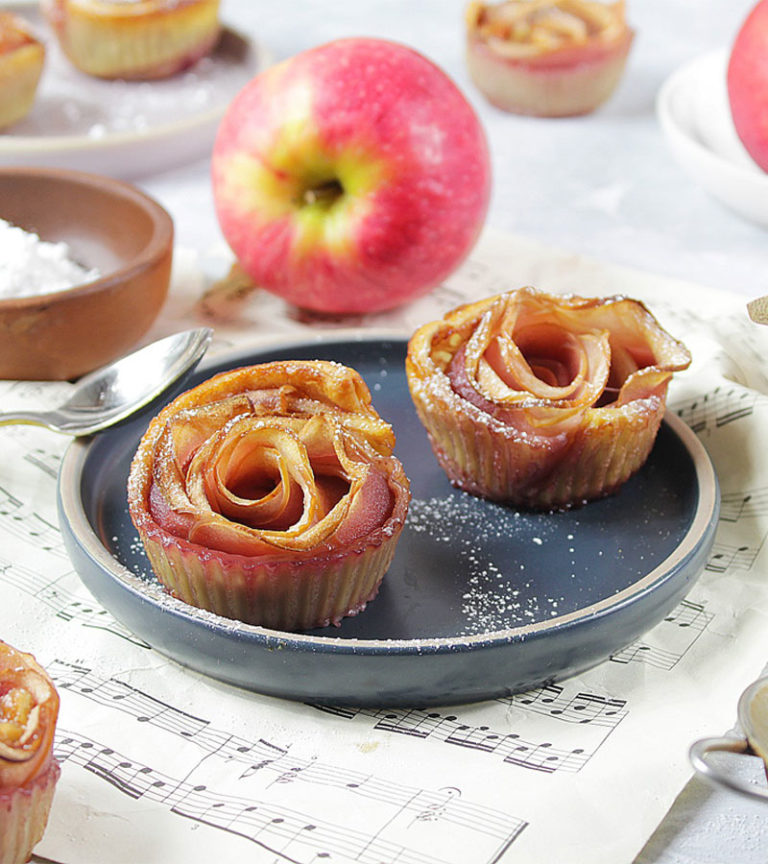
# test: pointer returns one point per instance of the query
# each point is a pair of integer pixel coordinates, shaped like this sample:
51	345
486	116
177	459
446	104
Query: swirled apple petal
29	708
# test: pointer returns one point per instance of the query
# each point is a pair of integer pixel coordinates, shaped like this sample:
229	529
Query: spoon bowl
106	396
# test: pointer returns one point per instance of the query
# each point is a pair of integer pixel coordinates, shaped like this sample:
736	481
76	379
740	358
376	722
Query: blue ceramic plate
480	601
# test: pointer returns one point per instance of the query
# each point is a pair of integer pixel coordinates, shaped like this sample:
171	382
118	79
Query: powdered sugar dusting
30	266
497	593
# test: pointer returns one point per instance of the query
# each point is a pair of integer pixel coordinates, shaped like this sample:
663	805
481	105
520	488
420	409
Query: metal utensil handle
31	418
698	757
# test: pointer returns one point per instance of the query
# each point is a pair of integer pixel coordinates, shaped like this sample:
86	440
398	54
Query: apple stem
325	193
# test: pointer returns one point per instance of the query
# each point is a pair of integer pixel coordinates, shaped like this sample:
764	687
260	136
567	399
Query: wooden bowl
108	225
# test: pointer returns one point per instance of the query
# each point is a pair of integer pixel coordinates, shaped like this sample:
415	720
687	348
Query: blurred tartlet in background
134	39
22	56
548	58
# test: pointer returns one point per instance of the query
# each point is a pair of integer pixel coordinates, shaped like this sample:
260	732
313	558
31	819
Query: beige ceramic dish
108	225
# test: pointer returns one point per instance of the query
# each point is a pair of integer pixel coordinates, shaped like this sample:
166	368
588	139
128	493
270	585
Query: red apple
748	84
351	177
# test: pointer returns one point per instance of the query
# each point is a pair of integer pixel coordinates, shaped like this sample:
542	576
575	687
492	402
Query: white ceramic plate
693	110
127	129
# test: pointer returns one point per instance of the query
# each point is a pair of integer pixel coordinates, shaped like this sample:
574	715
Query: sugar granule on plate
30	266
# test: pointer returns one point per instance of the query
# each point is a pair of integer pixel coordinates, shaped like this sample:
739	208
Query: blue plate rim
701	530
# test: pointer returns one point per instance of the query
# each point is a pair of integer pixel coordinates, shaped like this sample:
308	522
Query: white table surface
603	185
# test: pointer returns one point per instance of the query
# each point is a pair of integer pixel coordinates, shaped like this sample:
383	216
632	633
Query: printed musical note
680	630
581	708
45	535
10	505
61	596
650	655
598	713
742	505
417	724
435	809
690	614
18	520
45	460
719	407
543	757
438	819
728	555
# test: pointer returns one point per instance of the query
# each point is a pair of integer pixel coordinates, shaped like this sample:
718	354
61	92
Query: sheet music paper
160	764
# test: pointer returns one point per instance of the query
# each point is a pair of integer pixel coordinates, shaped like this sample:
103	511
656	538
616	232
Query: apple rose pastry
134	39
550	58
29	707
22	57
542	401
270	494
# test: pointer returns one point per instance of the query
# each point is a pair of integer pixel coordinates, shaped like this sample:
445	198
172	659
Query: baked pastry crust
270	494
29	706
539	400
22	57
139	40
549	58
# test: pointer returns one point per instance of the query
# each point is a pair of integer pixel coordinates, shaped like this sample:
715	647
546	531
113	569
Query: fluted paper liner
280	595
140	40
480	455
24	815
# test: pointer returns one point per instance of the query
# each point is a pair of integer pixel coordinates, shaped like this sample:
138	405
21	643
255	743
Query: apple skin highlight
352	177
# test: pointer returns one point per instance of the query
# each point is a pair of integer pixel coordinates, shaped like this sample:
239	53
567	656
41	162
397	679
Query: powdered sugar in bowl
86	270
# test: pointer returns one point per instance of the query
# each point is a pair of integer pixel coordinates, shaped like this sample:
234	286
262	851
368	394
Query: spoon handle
719	775
30	418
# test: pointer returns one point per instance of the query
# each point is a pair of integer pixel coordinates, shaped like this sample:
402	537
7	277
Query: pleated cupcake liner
151	45
485	458
24	816
297	594
523	88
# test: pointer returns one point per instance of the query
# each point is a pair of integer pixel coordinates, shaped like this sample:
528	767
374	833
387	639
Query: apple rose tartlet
270	494
22	57
134	39
549	58
542	401
29	707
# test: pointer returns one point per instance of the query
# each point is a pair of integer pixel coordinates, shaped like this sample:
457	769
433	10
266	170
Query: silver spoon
108	395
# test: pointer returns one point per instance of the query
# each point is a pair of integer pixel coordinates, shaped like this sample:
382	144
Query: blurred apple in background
351	177
748	84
